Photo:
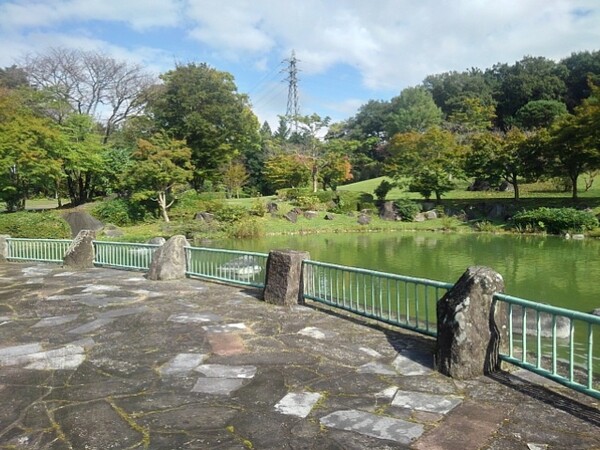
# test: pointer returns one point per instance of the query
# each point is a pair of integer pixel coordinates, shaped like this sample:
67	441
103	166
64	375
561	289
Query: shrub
123	212
383	189
555	220
308	202
290	194
230	213
34	225
258	208
246	229
407	209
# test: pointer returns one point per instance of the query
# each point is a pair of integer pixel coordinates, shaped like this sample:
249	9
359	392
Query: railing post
4	247
284	283
471	325
80	254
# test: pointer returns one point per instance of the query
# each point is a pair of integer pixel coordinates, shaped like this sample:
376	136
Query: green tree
583	69
235	177
413	110
430	160
310	148
161	164
201	105
539	114
286	171
29	146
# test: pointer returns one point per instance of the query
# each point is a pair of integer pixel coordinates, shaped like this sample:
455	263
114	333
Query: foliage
413	110
161	164
201	105
292	194
285	171
539	114
383	189
430	158
407	209
235	176
230	213
247	228
35	225
308	202
122	212
258	208
555	220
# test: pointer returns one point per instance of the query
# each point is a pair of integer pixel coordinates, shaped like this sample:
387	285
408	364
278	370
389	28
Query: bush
123	212
290	194
383	189
407	209
34	225
258	208
308	202
247	229
555	220
230	213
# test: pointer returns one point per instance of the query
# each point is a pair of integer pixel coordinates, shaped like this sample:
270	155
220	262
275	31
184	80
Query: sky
348	51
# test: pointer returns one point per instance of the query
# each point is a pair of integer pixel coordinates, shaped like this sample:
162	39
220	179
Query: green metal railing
230	266
46	250
556	343
123	255
399	300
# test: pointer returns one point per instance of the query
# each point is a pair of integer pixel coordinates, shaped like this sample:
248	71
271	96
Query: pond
548	270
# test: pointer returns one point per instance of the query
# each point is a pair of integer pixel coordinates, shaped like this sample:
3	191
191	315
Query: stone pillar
3	247
80	254
284	284
168	261
471	325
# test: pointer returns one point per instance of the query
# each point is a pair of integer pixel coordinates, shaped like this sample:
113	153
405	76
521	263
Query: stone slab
122	312
90	326
182	364
376	367
193	318
298	404
226	328
226	344
380	427
65	358
422	401
413	363
217	386
55	321
316	333
468	427
223	371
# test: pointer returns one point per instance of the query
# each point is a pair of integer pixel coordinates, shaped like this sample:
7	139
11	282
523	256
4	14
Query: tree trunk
162	203
574	186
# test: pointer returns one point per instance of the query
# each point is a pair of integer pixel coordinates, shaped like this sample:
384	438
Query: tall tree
539	114
413	110
583	69
89	83
201	105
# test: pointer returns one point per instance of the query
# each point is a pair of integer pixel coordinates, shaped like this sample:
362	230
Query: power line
293	109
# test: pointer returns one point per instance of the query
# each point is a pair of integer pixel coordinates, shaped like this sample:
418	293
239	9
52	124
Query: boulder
420	218
471	325
4	247
272	207
329	216
81	220
204	216
363	219
431	214
168	261
596	312
80	254
479	185
291	216
111	230
505	186
310	214
158	240
388	211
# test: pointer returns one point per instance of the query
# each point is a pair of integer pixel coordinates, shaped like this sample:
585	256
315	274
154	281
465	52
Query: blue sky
349	51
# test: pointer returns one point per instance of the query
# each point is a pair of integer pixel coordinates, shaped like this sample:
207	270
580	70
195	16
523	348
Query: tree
13	77
160	165
89	83
539	114
471	115
201	105
28	151
286	171
413	110
430	161
235	177
583	69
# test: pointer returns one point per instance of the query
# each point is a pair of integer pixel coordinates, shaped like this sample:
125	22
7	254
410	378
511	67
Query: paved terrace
105	359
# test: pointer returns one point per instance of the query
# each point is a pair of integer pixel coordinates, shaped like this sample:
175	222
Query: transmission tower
293	110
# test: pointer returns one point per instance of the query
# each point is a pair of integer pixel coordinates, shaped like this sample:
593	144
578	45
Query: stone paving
100	359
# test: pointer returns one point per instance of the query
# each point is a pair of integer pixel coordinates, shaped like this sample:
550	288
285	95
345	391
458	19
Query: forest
79	125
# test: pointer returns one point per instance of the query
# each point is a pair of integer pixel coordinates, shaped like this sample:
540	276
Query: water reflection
546	269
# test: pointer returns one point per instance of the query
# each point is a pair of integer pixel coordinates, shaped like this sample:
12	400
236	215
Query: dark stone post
80	254
168	261
471	325
284	284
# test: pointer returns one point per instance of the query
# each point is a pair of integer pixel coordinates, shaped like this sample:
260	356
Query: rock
469	335
3	247
426	206
81	220
329	216
204	216
578	237
168	261
505	186
363	219
159	240
284	280
479	185
596	312
310	214
272	207
420	218
291	216
298	211
111	230
497	211
80	254
431	214
388	211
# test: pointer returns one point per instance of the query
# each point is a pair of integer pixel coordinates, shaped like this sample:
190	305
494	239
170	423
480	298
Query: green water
548	270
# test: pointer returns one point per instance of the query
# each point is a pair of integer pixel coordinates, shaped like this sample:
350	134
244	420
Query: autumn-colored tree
235	176
161	165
